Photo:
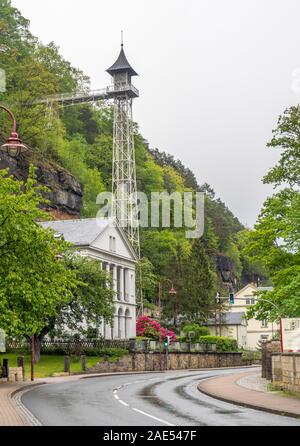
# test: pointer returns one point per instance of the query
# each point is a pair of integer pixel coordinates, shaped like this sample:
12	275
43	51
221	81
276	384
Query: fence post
21	363
83	363
67	364
6	368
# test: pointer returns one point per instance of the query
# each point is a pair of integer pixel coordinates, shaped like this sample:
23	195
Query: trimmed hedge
223	344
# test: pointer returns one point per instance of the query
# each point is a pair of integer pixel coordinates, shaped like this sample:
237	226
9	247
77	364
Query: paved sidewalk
231	388
10	415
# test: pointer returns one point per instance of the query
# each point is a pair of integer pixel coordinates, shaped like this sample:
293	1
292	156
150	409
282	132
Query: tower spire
122	36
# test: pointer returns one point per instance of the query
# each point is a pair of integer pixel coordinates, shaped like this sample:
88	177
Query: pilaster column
127	285
115	278
107	269
133	289
121	286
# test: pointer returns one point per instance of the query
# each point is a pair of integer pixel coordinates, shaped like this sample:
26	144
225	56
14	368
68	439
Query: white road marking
154	418
123	402
115	391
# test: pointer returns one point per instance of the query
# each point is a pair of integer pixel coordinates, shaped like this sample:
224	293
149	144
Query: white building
230	325
103	240
256	330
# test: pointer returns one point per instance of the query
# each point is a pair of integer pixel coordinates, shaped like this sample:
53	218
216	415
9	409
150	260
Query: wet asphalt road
167	399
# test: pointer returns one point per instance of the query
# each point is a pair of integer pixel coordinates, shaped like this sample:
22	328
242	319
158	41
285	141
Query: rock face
65	192
226	269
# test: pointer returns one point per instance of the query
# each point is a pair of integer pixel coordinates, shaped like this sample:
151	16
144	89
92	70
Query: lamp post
172	291
13	146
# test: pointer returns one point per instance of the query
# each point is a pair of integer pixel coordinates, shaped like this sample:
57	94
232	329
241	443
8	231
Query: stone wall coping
175	352
286	354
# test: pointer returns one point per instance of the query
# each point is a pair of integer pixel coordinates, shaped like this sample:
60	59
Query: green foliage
88	351
92	300
33	283
72	155
81	140
198	331
287	138
146	279
223	344
275	241
200	283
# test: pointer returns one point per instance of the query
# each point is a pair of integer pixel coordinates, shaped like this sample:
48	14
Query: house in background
257	331
231	325
105	241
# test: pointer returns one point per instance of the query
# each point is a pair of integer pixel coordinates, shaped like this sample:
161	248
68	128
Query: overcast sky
214	77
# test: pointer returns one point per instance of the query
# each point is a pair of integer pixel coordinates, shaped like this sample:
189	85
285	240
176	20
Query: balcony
118	88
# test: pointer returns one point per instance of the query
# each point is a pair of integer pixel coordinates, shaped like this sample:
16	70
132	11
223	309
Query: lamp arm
14	129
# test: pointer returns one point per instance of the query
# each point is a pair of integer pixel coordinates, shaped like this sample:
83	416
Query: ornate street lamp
13	146
172	291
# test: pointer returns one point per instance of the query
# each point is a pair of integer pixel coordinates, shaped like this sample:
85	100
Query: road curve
167	399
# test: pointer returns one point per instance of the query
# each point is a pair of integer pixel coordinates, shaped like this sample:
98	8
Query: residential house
257	331
232	325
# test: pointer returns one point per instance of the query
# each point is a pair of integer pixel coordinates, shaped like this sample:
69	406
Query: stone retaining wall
286	371
268	348
140	362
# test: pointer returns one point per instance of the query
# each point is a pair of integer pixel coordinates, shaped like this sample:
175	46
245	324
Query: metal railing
87	96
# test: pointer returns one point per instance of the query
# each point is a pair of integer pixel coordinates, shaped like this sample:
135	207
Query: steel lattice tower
124	188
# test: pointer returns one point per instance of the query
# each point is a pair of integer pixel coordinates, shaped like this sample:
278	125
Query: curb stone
245	404
16	397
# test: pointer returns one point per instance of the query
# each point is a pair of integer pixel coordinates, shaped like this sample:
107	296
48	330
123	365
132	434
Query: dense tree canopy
275	240
33	283
81	140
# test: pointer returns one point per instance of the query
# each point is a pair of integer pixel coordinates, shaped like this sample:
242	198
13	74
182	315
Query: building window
250	300
112	243
264	337
264	323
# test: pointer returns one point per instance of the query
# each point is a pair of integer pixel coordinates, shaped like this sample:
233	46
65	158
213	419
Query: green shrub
88	351
109	351
223	344
197	329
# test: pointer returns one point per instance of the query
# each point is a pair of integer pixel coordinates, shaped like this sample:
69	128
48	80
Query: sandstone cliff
65	192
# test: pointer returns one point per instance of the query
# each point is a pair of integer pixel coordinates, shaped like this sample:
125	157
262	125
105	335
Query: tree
275	242
286	137
199	283
146	280
33	283
174	305
91	301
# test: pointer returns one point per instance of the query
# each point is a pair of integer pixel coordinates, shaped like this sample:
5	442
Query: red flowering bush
149	328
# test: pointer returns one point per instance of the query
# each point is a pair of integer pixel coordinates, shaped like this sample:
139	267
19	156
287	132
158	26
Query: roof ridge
76	220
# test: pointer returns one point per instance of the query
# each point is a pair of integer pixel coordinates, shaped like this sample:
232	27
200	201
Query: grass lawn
49	364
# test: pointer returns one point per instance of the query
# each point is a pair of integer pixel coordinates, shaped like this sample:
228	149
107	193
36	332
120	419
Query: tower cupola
122	72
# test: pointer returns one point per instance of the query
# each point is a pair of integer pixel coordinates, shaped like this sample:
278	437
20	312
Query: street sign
2	341
290	334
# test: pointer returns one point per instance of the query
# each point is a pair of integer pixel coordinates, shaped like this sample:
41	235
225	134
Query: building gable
112	240
247	290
